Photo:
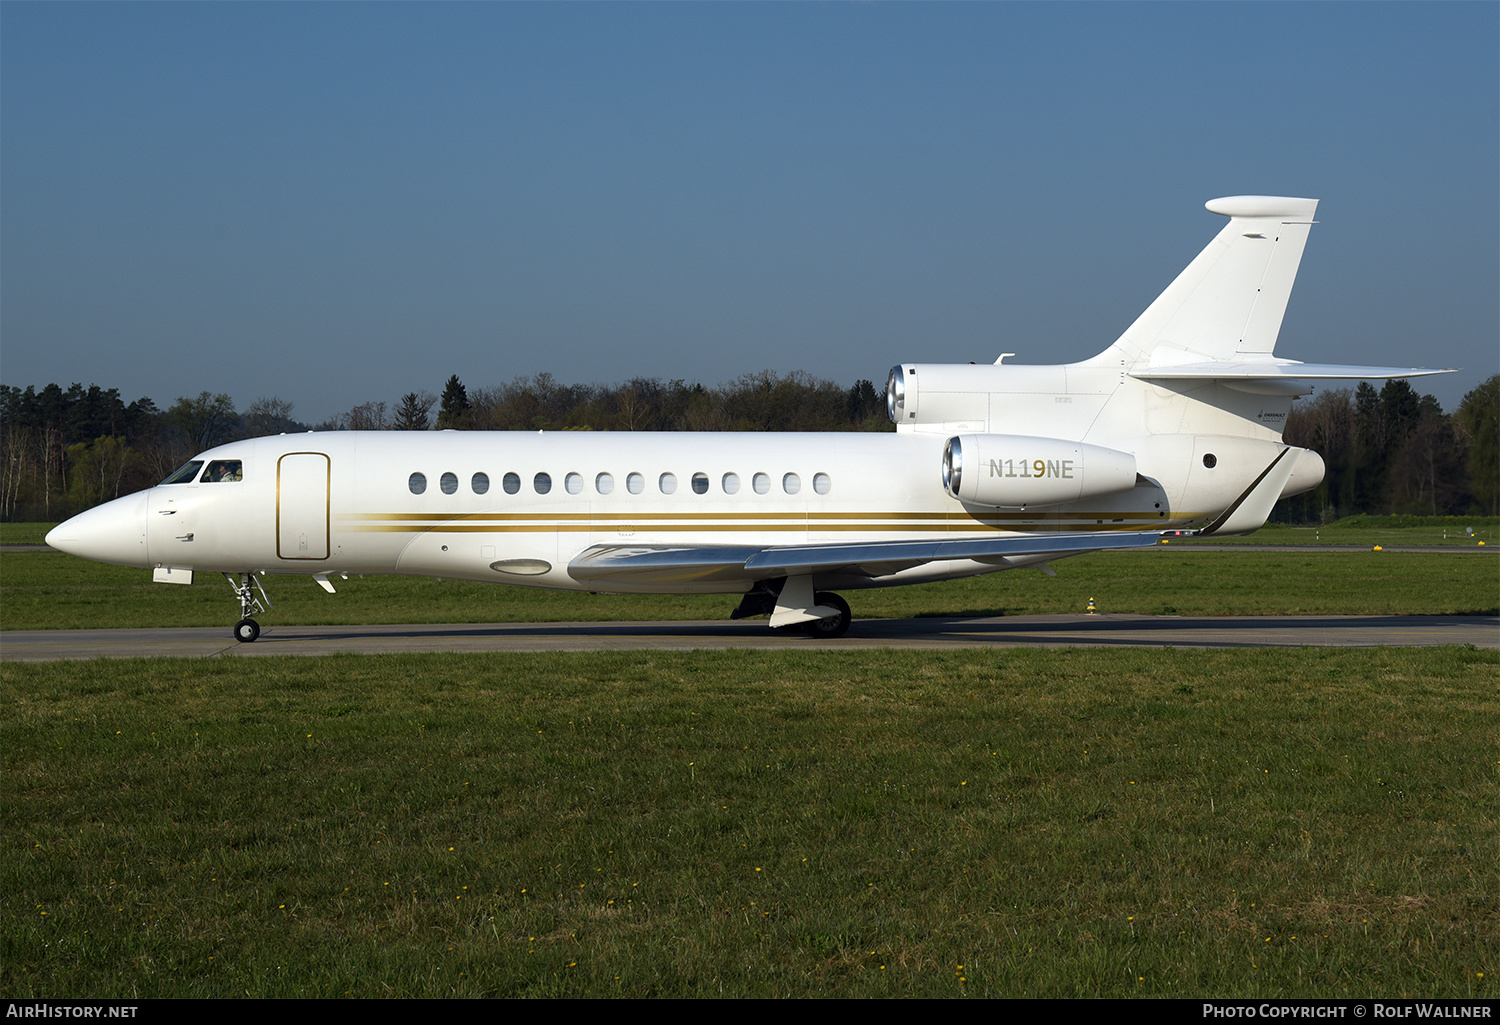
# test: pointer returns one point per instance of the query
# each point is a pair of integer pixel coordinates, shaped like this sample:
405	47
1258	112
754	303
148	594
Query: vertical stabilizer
1228	303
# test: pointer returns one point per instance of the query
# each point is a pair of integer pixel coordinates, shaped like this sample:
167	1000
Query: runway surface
946	632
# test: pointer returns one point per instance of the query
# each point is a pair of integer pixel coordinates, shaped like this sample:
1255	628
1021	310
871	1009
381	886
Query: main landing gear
771	598
833	626
247	629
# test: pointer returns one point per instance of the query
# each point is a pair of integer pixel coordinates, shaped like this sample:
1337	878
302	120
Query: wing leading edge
630	566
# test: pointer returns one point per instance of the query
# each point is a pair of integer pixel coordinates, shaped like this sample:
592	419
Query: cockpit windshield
186	473
223	470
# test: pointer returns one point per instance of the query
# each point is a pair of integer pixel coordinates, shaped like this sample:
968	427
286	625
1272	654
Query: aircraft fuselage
518	508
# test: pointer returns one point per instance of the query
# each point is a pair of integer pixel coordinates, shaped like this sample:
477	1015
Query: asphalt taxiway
934	632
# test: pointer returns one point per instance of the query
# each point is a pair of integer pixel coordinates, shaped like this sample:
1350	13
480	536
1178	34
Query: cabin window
185	473
821	484
573	484
417	482
635	484
480	483
449	483
223	470
668	483
700	483
511	482
542	482
604	484
791	483
761	483
731	484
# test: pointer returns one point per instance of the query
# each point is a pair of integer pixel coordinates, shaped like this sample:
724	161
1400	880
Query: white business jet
1176	427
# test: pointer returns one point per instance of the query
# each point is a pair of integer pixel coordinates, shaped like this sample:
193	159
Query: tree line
1395	451
64	450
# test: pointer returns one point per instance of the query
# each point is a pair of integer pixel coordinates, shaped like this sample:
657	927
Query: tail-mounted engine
930	393
1016	472
959	398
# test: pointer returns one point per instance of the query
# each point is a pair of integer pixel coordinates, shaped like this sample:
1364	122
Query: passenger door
302	500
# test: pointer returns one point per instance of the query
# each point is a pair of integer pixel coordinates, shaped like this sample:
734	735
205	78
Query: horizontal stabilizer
1282	377
1288	370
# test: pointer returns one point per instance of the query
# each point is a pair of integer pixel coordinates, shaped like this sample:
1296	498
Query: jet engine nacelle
1015	471
918	394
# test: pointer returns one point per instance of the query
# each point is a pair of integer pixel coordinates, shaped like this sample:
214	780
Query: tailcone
1306	475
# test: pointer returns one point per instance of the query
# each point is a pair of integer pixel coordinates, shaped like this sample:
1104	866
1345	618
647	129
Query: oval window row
635	483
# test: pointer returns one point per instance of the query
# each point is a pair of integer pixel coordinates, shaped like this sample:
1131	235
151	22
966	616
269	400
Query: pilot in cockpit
222	470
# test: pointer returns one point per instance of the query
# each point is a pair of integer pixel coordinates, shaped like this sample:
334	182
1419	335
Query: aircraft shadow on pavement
1105	629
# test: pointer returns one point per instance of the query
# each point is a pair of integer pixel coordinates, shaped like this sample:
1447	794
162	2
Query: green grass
46	590
24	533
1314	823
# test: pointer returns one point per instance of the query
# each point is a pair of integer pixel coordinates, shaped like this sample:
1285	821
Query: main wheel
246	630
833	626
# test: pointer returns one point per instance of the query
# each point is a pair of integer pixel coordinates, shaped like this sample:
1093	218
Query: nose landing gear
247	629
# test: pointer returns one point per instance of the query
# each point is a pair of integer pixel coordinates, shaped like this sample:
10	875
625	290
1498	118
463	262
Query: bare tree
367	416
265	416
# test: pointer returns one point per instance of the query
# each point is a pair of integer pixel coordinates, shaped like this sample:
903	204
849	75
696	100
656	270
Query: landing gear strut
247	629
765	597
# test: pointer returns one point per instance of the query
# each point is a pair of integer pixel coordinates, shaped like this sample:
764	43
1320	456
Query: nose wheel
245	588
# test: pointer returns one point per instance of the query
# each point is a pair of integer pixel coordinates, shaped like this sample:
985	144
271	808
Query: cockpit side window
223	470
186	473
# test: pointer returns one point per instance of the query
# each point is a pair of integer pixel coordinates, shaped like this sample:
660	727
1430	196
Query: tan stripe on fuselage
607	526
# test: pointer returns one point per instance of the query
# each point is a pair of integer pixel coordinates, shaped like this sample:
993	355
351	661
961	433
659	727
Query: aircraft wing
657	565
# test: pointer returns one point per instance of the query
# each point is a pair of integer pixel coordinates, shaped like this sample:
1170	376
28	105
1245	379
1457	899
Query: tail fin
1228	303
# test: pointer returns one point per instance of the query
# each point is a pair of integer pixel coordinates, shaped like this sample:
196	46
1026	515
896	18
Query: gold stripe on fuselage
611	525
812	517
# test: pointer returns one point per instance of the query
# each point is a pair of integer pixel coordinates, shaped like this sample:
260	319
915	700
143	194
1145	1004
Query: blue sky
337	203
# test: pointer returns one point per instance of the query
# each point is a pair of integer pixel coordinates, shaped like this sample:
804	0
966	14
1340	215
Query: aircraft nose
113	532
